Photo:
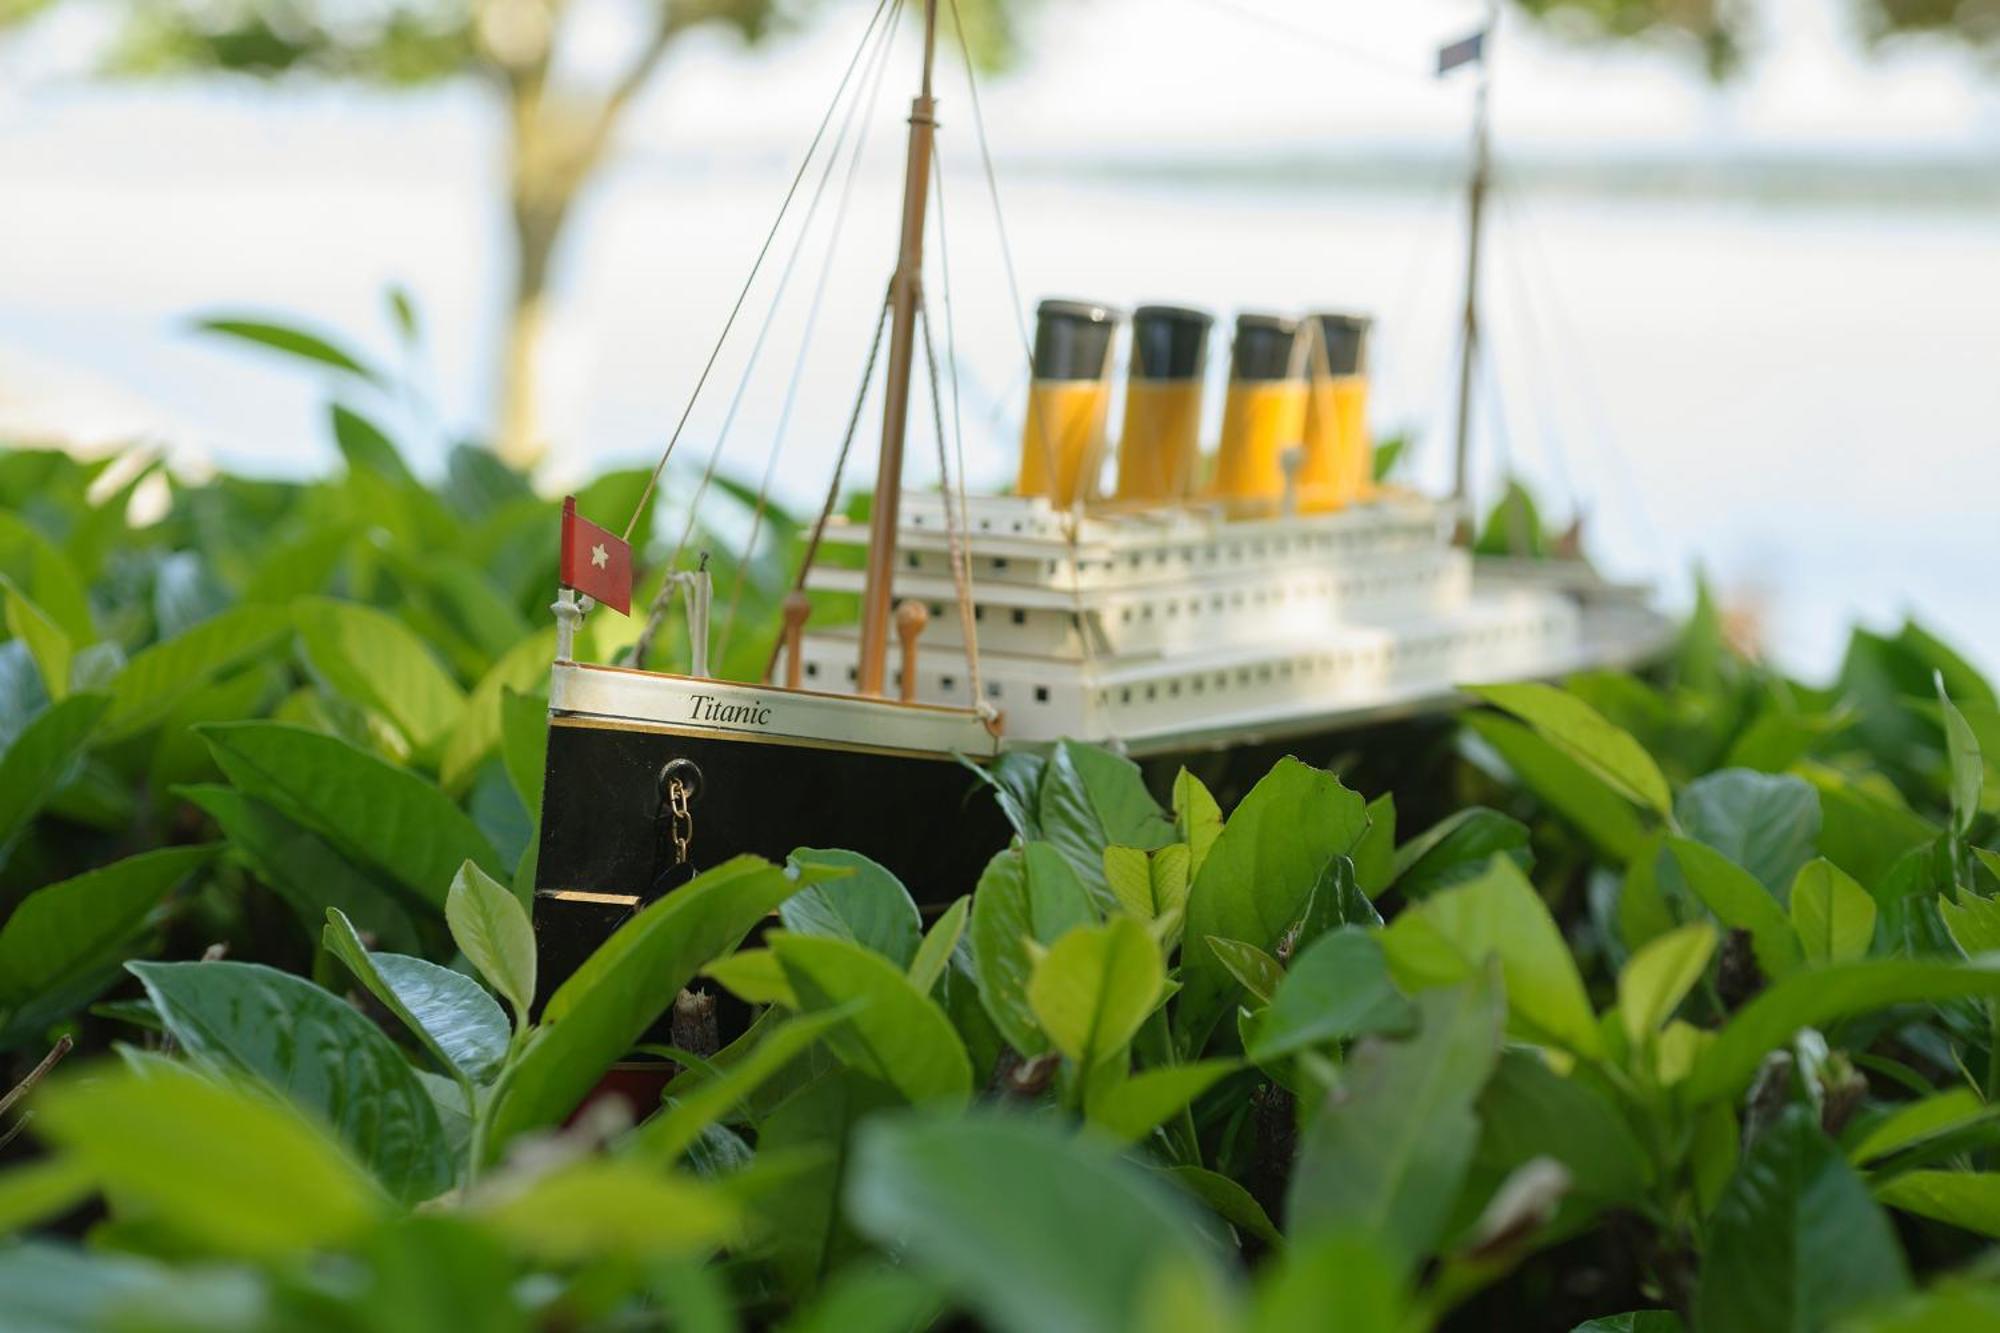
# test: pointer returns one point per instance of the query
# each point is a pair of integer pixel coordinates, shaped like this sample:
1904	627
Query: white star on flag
599	557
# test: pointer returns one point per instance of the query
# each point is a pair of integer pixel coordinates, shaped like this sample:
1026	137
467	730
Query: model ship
1271	591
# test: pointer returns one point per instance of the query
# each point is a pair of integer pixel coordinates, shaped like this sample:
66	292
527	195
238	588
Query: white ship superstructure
1156	628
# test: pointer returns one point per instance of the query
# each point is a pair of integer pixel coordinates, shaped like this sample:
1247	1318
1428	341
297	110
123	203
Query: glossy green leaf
1635	1321
1767	823
754	975
1228	1200
1375	851
1967	768
376	661
858	900
1658	977
1090	799
979	1201
1131	1107
304	869
524	745
79	928
44	757
1197	819
1338	989
1344	1282
47	643
701	1101
1973	923
1966	1199
1095	986
892	1033
449	1012
290	341
1795	1239
608	1003
304	1043
1564	784
1833	915
1387	1155
373	811
1258	877
1583	734
939	943
39	567
162	675
1255	971
1447	938
203	1157
1740	902
1914	1122
1026	895
491	928
599	1209
1457	848
481	724
1527	1110
1822	996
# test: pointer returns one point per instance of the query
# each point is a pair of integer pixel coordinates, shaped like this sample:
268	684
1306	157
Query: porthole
812	669
1020	617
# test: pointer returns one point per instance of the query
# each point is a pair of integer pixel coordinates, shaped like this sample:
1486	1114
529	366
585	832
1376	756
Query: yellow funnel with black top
1062	439
1160	446
1264	414
1339	461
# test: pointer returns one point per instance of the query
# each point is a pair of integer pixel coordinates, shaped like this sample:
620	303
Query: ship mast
905	292
1475	207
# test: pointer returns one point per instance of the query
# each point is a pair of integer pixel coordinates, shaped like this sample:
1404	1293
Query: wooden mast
1475	218
905	292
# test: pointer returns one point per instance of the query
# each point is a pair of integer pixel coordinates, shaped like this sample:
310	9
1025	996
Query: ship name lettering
708	708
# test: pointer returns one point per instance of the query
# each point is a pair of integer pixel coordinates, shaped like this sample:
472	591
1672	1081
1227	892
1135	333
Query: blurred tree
560	125
1719	30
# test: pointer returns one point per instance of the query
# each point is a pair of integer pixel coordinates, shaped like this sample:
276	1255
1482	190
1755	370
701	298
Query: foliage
1687	1011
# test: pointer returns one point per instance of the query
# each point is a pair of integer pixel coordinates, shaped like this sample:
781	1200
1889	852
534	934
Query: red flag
595	562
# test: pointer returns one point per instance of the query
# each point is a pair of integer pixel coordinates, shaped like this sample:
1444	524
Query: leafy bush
1690	1007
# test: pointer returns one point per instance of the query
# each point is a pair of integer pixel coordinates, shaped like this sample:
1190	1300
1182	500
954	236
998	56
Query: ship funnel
1161	443
1062	440
1265	412
1339	463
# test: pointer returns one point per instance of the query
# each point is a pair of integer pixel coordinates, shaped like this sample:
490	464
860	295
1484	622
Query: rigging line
839	468
1539	379
968	627
1360	55
653	480
770	317
1070	516
954	539
780	434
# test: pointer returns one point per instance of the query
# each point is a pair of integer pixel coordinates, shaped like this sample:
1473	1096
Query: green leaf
1768	823
1635	1321
1227	1199
1095	986
1833	915
1375	850
1972	922
1643	913
1968	769
1821	996
1387	1155
450	1013
1256	880
893	1033
1447	938
40	567
1863	833
376	661
47	643
1457	848
1527	1110
704	1101
1966	1199
599	1209
65	933
1129	1109
288	340
979	1201
934	954
245	1018
1345	1282
491	927
303	869
1565	785
859	901
1658	977
1338	989
608	1003
43	758
1582	733
754	975
1741	903
1914	1122
1197	819
203	1157
1254	970
1091	799
366	447
373	811
1795	1240
1025	895
160	677
482	723
40	1191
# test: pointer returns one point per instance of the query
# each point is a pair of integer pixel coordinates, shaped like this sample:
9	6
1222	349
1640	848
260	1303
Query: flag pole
1468	350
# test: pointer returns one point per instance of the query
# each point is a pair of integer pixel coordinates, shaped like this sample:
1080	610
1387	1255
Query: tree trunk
518	436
